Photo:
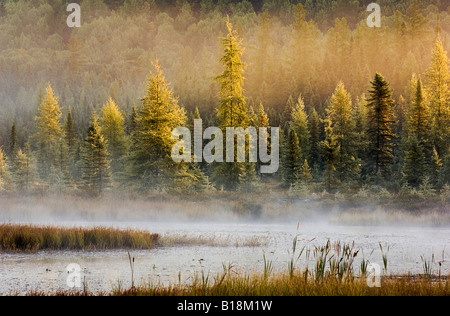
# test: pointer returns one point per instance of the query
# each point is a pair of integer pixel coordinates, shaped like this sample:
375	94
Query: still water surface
101	271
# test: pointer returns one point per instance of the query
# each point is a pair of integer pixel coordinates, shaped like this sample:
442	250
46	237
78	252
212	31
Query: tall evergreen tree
112	126
71	145
340	114
232	112
414	168
299	123
262	118
291	161
96	173
435	168
380	118
305	173
419	123
49	133
4	172
330	148
69	131
314	152
133	120
24	170
438	91
13	146
151	164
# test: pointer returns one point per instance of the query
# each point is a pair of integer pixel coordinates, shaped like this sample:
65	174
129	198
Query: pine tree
133	120
340	114
359	118
232	112
151	164
438	91
299	123
252	117
414	168
314	131
59	178
112	127
96	173
24	170
305	173
287	114
419	123
4	173
69	131
262	118
380	118
70	146
330	148
13	146
291	161
445	171
49	132
435	168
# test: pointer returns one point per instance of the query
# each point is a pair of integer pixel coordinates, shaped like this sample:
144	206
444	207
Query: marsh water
406	248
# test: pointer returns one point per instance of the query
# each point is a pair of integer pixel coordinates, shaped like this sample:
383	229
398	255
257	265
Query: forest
91	109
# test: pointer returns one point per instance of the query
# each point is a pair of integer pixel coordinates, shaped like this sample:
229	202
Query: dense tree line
355	105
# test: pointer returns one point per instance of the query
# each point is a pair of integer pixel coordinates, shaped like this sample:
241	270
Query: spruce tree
4	173
435	168
112	126
71	145
330	148
314	131
13	146
133	120
69	131
232	112
414	168
24	170
262	118
291	159
151	165
419	123
380	118
299	123
96	168
359	118
305	173
438	91
339	113
49	133
286	116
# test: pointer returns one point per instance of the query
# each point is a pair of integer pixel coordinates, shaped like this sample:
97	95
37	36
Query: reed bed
15	238
331	274
280	284
28	238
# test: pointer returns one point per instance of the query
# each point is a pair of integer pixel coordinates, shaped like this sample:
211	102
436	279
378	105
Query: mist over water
408	242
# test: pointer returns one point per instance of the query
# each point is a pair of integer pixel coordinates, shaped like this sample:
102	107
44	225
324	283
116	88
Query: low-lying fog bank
220	208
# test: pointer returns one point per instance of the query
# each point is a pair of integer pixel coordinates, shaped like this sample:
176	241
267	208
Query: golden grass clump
31	238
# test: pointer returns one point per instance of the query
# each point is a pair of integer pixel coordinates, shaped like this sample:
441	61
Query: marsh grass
279	284
333	275
212	240
31	238
27	238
